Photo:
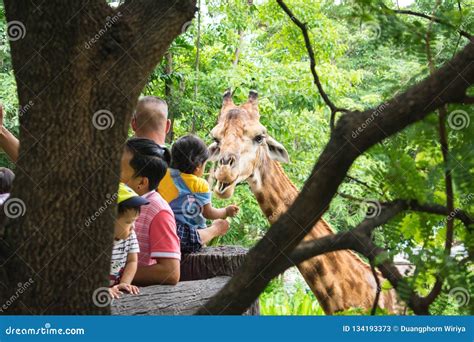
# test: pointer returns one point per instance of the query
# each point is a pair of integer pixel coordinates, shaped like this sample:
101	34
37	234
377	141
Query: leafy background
365	54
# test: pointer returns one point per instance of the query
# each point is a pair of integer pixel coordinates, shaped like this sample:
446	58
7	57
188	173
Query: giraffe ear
213	152
277	151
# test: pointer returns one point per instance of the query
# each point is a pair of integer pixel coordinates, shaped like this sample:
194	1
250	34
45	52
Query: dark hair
123	207
149	160
6	180
188	153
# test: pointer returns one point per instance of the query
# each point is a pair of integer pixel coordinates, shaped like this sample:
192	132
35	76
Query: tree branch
145	30
435	19
361	183
379	288
468	100
304	29
457	213
359	239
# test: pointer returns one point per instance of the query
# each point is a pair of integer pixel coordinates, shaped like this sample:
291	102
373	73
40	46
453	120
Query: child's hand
114	292
128	287
232	210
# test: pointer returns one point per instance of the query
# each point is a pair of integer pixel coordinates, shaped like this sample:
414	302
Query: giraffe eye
259	138
216	140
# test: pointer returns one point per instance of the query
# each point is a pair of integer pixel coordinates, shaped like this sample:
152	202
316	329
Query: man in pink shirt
144	164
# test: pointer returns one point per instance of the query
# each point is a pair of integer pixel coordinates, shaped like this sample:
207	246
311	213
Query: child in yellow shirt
189	195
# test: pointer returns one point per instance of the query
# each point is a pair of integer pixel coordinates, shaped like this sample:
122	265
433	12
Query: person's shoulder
197	184
132	237
159	202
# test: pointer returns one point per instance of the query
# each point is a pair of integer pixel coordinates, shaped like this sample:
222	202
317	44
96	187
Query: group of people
163	201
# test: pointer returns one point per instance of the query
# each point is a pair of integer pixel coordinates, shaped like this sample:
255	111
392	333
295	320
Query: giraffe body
245	152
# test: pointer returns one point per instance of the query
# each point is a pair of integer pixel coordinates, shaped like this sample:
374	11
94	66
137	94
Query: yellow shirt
169	191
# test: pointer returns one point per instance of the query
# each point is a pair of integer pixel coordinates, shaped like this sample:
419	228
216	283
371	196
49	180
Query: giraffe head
242	147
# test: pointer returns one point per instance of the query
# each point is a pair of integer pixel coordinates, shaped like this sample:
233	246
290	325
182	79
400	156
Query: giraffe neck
339	280
275	192
273	189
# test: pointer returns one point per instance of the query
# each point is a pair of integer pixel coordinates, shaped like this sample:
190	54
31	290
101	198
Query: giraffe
245	152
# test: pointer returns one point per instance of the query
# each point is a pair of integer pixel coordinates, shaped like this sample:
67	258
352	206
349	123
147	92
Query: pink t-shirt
156	231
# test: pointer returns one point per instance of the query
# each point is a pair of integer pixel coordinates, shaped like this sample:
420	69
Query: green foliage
365	54
277	301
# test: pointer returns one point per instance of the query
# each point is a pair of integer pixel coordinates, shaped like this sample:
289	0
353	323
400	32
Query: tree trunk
185	298
211	262
81	66
169	95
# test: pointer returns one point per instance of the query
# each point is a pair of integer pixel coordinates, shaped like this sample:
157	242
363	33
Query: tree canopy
366	53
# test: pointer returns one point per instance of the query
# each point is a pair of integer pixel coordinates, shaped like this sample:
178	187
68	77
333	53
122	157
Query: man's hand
232	210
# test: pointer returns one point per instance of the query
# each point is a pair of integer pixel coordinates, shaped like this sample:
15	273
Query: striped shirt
120	253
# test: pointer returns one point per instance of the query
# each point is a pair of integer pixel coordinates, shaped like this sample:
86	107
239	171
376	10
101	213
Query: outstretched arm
212	213
8	142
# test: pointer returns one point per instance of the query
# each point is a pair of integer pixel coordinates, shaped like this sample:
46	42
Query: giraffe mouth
223	189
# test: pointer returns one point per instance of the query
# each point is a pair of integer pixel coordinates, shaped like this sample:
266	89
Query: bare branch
457	213
379	289
435	19
468	100
361	183
304	29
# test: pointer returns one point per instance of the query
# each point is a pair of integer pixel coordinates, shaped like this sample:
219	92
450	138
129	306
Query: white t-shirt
120	253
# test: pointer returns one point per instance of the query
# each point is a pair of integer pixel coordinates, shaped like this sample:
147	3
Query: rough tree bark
354	133
82	64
